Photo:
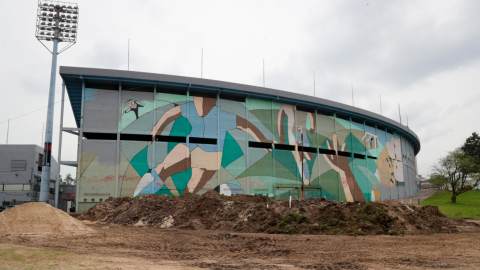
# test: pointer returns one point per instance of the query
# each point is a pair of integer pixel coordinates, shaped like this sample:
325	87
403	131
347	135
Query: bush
394	232
337	231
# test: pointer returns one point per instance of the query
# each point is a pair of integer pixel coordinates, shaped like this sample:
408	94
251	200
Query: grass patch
467	206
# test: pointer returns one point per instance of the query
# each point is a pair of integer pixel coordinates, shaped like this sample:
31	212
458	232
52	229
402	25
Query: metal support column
79	150
47	148
117	160
59	156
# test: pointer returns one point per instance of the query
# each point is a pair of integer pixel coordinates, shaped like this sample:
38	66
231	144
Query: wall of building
20	173
173	144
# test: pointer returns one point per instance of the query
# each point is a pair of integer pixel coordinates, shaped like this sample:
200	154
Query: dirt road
124	247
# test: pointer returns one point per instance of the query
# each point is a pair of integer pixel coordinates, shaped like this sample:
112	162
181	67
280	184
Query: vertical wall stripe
117	150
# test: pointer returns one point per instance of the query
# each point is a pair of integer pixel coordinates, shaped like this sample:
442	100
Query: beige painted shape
342	136
129	181
205	160
319	167
124	163
195	179
211	184
198	101
87	158
244	183
171	186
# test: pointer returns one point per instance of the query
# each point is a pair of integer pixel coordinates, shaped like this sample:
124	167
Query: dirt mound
39	218
254	214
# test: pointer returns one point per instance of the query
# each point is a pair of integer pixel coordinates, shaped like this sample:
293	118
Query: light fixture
55	12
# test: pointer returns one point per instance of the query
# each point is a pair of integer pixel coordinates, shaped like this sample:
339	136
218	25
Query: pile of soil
258	214
39	218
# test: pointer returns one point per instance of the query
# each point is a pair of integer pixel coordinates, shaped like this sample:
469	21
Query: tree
437	181
471	147
458	171
68	180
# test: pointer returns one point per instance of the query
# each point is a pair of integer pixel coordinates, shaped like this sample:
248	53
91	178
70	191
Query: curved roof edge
71	77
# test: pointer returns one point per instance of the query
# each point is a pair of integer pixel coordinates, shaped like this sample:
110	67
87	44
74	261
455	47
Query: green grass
468	204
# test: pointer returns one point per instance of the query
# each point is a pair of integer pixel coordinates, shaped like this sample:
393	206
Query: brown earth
215	232
39	218
258	214
128	247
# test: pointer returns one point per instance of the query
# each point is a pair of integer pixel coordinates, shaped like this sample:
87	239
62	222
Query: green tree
471	147
459	173
437	181
69	180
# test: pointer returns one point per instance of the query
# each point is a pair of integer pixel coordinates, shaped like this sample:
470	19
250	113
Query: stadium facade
153	133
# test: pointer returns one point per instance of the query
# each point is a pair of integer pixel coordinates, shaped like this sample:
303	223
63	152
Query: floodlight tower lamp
51	19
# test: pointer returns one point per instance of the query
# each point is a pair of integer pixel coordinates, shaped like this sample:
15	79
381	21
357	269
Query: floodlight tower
57	22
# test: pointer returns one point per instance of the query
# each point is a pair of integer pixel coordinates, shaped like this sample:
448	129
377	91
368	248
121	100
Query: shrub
290	230
337	231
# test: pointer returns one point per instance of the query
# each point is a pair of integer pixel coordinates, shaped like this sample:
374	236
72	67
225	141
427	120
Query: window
285	147
93	200
100	136
326	151
344	154
160	138
12	187
308	149
202	140
136	137
18	165
371	157
359	156
260	145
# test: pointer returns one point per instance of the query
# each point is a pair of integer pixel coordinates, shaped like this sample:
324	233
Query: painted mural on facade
173	163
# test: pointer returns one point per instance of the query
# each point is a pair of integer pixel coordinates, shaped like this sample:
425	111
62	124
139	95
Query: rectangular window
202	140
371	157
178	139
260	145
359	156
100	136
344	154
285	147
18	165
13	187
308	149
136	137
326	151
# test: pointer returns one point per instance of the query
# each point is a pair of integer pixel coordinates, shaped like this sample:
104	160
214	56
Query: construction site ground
112	246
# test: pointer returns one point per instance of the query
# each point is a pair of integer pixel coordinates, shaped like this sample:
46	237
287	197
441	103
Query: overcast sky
424	55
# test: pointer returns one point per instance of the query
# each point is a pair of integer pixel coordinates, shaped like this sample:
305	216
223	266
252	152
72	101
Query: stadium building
153	133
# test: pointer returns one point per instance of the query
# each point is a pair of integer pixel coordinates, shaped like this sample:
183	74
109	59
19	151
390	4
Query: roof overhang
75	76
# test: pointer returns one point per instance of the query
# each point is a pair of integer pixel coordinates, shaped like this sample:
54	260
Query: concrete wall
20	172
370	164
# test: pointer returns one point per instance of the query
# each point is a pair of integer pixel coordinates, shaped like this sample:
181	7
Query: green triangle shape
140	162
231	150
164	190
264	167
181	180
237	167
